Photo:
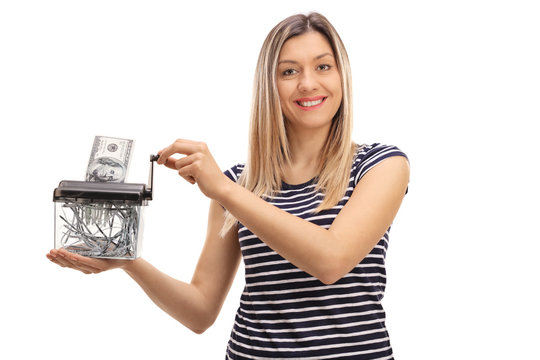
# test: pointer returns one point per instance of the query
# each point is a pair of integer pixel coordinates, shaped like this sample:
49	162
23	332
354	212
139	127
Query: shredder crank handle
150	186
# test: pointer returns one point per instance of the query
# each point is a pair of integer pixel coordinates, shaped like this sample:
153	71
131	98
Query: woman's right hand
85	264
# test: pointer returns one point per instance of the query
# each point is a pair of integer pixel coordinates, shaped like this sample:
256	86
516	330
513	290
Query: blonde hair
268	144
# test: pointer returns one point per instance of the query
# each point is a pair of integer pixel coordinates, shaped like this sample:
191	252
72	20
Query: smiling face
308	82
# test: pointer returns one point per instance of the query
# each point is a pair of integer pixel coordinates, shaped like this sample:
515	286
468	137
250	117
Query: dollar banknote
109	160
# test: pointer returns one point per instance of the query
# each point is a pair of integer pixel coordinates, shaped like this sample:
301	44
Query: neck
305	149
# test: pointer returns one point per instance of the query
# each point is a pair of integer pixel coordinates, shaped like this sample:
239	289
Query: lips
310	103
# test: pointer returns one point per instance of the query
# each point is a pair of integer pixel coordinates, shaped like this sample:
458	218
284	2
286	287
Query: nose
308	81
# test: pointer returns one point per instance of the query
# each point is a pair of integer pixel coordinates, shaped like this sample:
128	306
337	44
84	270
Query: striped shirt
286	313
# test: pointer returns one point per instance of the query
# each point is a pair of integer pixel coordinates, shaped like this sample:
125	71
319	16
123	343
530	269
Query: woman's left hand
197	166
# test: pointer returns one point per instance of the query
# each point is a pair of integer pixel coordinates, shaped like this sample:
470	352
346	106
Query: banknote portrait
106	169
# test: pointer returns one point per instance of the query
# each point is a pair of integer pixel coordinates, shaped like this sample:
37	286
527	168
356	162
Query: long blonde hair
268	144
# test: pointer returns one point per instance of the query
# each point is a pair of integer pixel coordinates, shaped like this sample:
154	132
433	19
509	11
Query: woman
309	213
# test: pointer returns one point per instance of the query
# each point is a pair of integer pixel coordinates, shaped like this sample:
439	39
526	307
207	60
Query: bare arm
195	304
198	303
325	254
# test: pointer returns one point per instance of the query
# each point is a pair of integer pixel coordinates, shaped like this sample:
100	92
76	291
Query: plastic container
100	219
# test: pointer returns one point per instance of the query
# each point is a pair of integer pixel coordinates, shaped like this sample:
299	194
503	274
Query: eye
323	67
288	72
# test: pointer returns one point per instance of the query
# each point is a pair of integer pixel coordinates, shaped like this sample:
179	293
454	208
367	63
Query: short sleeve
370	155
234	172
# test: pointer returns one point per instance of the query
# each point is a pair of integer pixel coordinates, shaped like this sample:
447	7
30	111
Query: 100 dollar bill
109	160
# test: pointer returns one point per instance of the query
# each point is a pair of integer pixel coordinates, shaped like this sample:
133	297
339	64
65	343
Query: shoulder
368	156
234	172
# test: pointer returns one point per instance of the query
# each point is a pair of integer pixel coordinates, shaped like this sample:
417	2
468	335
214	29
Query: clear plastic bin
102	220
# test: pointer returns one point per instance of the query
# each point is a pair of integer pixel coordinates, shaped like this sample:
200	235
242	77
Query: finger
90	264
86	269
190	179
167	161
180	146
185	161
188	173
51	255
176	164
81	263
77	265
59	258
171	163
68	263
56	260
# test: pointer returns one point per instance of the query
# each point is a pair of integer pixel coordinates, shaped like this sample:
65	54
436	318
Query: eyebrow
315	58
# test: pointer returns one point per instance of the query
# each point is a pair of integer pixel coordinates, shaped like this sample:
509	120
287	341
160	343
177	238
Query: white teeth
310	103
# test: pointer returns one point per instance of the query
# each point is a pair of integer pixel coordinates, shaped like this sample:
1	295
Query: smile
310	103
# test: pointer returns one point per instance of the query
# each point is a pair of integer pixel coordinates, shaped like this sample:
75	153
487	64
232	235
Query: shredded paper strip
103	230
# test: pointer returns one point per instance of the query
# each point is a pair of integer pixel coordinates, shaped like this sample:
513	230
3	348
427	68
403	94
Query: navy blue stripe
284	308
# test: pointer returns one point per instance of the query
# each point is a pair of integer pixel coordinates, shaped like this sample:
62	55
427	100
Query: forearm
181	300
327	254
306	245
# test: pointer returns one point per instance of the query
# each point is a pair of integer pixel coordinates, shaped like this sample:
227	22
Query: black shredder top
85	191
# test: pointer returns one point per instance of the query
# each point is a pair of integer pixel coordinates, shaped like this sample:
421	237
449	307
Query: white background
454	84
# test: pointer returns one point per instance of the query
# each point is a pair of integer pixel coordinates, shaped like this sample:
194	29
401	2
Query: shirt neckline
285	186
